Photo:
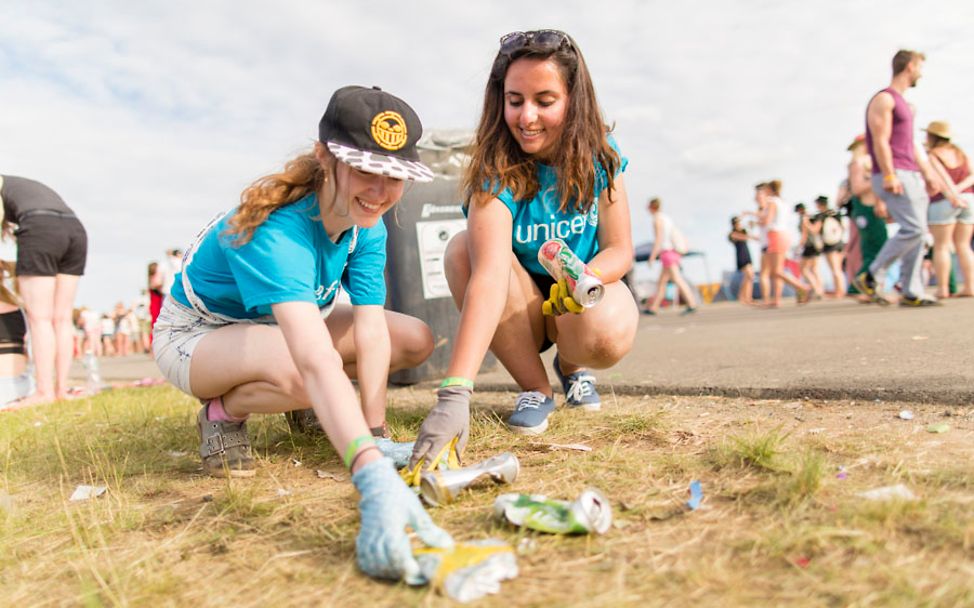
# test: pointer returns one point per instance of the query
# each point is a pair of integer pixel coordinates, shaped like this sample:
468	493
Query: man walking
898	176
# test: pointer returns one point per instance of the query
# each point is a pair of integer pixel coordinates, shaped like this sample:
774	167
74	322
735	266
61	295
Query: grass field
781	522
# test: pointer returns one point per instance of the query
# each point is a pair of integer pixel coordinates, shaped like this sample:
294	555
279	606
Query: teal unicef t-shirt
539	219
289	259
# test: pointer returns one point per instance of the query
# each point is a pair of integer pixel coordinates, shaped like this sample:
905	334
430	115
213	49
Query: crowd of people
925	193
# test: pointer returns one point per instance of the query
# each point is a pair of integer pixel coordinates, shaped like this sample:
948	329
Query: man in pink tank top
900	178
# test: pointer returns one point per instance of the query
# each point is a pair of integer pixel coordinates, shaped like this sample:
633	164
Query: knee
413	343
608	348
456	258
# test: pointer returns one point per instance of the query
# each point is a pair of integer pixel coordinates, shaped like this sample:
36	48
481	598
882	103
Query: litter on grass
940	427
906	415
897	492
578	447
696	495
590	512
468	571
87	492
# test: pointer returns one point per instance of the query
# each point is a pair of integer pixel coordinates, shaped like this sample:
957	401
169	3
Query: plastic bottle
93	376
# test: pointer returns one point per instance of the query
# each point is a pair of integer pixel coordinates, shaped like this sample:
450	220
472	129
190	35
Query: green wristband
457	381
354	446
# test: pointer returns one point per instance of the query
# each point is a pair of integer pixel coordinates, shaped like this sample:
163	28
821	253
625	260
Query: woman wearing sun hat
252	324
951	212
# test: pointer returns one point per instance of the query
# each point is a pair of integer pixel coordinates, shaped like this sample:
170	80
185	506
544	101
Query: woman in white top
670	250
773	275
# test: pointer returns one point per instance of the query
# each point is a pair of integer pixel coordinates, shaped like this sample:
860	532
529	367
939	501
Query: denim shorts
942	212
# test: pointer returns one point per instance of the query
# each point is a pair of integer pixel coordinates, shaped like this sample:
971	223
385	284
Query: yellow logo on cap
389	130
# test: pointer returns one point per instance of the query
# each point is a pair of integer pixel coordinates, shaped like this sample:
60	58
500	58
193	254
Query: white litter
906	415
897	492
87	492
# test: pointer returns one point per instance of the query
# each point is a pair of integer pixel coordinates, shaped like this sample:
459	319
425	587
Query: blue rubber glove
382	548
397	452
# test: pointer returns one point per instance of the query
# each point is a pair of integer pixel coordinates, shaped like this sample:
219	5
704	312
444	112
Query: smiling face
535	105
367	195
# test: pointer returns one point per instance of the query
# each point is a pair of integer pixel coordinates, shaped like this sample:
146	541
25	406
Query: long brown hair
497	161
942	142
301	176
8	271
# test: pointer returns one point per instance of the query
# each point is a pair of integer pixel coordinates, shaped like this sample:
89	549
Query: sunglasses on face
547	40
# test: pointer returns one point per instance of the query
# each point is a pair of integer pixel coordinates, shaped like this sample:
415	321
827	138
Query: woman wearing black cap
252	324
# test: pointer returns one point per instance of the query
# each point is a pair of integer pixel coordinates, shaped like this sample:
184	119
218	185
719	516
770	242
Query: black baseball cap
375	132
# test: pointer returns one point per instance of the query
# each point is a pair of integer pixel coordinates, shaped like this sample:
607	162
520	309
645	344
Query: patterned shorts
174	337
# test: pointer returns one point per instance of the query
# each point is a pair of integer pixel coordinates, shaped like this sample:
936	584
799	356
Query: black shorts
48	245
544	283
810	251
833	248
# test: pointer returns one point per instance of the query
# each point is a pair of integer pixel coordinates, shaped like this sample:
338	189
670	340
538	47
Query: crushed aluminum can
470	570
590	512
560	261
443	487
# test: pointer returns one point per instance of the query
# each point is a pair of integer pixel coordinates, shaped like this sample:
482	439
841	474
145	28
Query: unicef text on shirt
553	230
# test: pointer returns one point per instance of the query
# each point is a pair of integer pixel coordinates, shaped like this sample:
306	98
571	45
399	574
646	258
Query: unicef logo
593	214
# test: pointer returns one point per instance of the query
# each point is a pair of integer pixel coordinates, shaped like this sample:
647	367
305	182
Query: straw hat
939	128
861	138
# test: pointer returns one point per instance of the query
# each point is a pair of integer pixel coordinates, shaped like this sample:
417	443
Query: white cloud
149	117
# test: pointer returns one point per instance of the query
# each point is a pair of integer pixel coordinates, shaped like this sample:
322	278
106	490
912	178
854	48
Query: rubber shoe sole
529	430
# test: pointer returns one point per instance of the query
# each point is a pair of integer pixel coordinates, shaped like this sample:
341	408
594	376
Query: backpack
832	230
678	241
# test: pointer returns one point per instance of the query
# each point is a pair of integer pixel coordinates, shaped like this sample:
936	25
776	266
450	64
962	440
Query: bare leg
965	257
943	235
251	367
661	284
38	295
521	330
765	279
746	292
834	259
601	336
683	287
66	286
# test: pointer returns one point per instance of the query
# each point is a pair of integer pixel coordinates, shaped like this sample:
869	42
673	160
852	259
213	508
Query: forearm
334	401
884	156
483	305
614	262
372	358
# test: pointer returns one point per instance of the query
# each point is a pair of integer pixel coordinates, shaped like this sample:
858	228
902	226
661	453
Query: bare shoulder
881	101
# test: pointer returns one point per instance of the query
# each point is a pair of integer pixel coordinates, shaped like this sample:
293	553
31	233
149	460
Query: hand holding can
577	286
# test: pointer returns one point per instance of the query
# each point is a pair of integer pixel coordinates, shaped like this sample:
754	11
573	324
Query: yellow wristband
889	177
354	446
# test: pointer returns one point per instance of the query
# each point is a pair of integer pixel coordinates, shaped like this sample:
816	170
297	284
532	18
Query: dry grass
777	527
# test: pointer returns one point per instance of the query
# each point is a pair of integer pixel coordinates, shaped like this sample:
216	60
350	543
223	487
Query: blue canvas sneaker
579	389
531	410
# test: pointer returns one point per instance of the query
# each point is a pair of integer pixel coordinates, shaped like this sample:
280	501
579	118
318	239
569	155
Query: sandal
224	447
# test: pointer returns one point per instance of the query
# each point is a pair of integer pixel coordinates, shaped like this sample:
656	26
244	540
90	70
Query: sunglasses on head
542	39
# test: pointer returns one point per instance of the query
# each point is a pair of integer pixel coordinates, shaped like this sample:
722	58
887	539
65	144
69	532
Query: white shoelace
580	387
529	400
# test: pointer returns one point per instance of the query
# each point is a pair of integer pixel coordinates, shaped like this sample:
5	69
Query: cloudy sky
149	117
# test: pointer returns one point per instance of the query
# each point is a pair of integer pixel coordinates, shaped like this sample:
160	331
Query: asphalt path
825	350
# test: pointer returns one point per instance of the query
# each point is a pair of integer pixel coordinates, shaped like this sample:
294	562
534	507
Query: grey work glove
449	418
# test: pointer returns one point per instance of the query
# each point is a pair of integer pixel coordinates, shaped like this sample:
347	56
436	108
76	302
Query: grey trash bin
419	229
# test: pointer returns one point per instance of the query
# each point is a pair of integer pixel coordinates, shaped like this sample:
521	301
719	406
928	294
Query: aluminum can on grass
591	512
443	487
561	263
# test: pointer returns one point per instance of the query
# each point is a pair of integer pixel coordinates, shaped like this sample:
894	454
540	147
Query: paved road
827	350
